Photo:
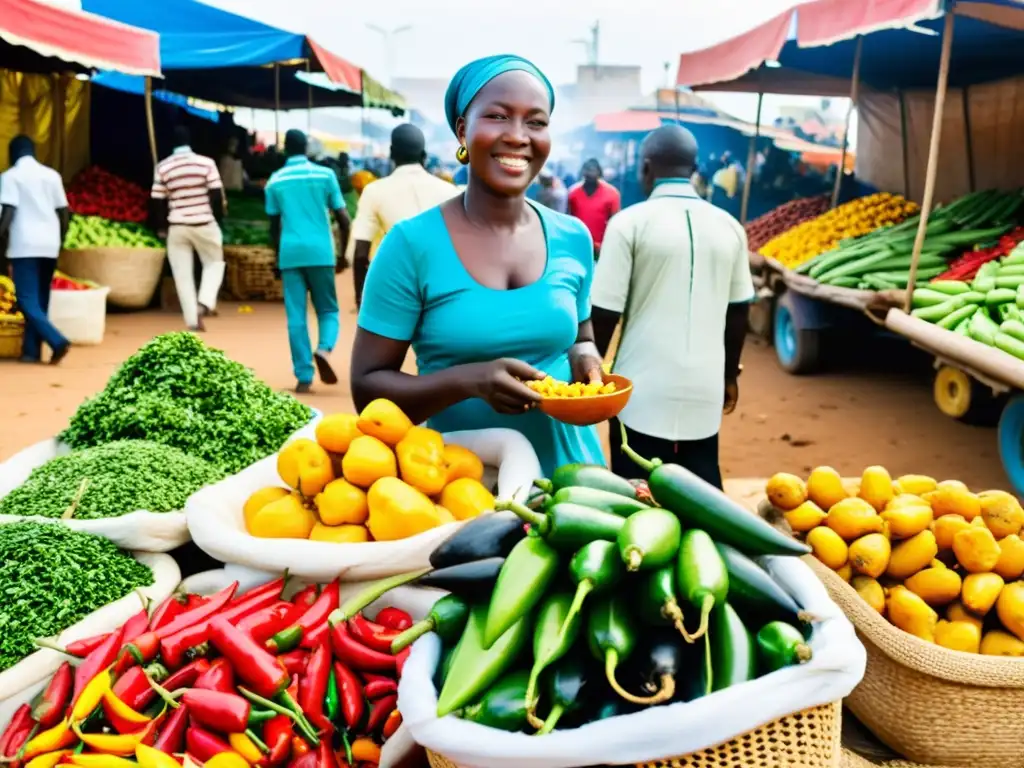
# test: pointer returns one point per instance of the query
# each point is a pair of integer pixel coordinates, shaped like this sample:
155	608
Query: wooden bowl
586	411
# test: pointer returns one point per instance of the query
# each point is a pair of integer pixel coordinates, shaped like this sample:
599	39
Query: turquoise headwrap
469	80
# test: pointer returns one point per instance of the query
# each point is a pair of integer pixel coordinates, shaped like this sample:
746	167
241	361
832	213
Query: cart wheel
960	397
797	349
1011	442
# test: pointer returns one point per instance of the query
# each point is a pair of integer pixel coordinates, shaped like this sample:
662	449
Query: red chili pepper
307	596
277	735
352	652
300	748
142	651
255	666
318	635
100	658
400	661
17	741
380	688
203	744
195	614
308	759
369	677
220	711
173	648
294	661
84	647
325	755
52	703
293	687
271	587
186	676
379	713
133	689
263	624
370	634
219	677
319	611
392	724
350	692
394	618
21	719
313	686
135	626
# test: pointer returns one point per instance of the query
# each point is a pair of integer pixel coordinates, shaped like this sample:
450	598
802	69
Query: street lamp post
389	52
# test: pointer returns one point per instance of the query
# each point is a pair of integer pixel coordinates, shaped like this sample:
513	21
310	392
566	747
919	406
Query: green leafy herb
52	577
177	391
111	480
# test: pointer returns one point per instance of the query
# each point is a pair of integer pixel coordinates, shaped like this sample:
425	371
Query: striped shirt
185	180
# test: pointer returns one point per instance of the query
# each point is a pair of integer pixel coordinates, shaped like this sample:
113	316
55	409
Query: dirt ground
872	410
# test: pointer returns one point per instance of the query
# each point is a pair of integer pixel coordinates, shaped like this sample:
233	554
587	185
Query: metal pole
748	182
968	140
679	119
933	154
277	104
903	137
150	125
854	90
309	106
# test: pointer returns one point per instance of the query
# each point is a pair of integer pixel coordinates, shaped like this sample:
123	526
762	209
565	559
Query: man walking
408	191
552	193
674	269
33	223
300	198
188	202
594	201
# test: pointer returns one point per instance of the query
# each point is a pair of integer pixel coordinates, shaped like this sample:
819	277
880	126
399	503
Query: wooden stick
965	95
854	90
748	181
277	104
903	137
150	126
933	155
309	107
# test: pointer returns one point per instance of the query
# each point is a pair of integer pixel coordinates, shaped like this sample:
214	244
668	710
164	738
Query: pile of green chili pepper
612	597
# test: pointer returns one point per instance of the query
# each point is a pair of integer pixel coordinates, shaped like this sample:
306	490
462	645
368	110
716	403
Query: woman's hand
500	383
585	362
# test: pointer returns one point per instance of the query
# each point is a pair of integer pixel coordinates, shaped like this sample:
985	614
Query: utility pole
592	45
389	50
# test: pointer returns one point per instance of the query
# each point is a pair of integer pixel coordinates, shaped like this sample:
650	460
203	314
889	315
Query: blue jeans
318	284
32	288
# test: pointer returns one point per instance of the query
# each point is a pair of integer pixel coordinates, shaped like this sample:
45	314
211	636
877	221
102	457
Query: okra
1010	345
1006	269
935	312
1009	281
964	327
1013	328
953	319
1000	296
950	287
983	328
927	297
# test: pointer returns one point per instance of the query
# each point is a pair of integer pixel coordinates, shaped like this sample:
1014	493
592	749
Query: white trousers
208	242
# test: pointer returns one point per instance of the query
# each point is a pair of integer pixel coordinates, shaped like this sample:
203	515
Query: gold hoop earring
462	154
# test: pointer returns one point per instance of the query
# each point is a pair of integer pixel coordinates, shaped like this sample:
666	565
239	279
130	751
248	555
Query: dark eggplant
473	580
565	686
503	706
753	591
487	536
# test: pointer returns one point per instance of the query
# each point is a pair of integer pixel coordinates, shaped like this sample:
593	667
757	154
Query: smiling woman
488	289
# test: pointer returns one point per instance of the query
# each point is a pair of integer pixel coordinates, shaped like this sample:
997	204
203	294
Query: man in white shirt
675	270
33	222
410	190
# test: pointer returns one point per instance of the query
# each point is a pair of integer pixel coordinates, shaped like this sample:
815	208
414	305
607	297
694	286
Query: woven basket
808	739
131	273
930	704
249	273
12	334
853	760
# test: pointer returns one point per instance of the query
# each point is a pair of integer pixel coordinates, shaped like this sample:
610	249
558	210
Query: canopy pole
150	125
748	180
905	143
933	154
679	118
277	104
968	139
854	90
309	107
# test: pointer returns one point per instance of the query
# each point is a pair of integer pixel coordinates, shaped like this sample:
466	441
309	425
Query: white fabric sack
659	732
39	666
215	518
81	316
141	530
416	602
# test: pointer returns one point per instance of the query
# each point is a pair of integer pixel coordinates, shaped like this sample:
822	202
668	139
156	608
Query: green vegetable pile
111	480
246	233
97	232
245	207
52	577
177	391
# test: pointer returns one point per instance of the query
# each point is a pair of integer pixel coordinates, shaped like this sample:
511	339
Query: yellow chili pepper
149	757
110	743
48	760
226	760
101	761
120	714
244	746
52	739
91	696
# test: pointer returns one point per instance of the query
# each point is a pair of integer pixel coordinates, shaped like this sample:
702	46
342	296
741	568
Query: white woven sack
416	602
25	677
141	530
215	519
658	732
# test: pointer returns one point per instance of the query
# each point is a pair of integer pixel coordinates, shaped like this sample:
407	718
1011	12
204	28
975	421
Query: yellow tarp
34	105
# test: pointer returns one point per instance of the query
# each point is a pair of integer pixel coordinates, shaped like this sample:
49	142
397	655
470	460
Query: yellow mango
466	498
945	528
462	462
825	487
828	546
341	503
444	514
916	484
911	614
786	491
869	555
911	555
1011	558
976	549
951	497
286	518
259	500
805	517
958	636
398	511
907	516
999	643
305	466
876	487
340	534
336	432
870	591
957	612
852	486
367	461
980	592
1010	608
852	518
845	573
384	420
421	460
1001	512
935	585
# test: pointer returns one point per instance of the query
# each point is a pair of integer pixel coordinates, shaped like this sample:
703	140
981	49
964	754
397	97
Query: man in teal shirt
300	197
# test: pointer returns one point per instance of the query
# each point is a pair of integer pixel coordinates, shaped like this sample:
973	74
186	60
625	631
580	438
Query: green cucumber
948	287
983	328
733	651
1000	296
935	312
1009	281
1013	328
649	539
781	645
702	575
1010	345
956	317
927	297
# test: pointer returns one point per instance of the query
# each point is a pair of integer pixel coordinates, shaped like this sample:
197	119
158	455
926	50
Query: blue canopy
135	85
